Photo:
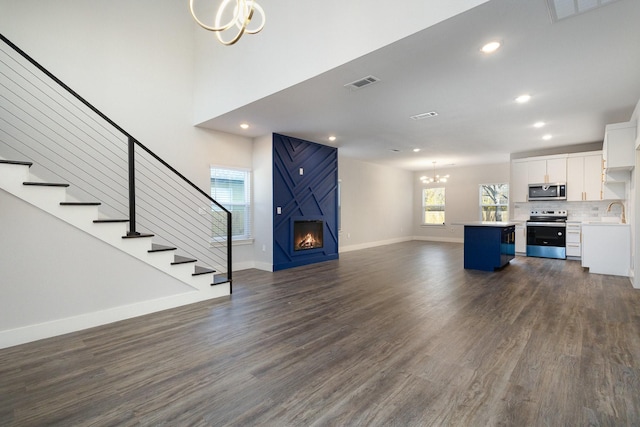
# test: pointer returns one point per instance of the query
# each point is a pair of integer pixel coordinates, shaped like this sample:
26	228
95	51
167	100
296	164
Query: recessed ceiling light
332	138
244	126
415	150
490	47
547	137
538	124
523	98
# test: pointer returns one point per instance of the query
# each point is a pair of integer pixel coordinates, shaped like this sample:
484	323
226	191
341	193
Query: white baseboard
264	266
440	239
246	265
25	334
367	245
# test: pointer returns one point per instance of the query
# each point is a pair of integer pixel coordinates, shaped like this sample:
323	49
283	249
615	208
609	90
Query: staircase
16	179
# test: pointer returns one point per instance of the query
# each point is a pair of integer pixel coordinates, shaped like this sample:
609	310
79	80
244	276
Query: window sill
433	225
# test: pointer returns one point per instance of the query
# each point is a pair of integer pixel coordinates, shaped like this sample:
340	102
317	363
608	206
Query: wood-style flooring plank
399	335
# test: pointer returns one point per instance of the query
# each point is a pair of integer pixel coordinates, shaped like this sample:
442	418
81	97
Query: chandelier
234	21
435	178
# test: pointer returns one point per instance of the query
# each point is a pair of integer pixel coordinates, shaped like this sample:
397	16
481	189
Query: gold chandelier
242	15
435	179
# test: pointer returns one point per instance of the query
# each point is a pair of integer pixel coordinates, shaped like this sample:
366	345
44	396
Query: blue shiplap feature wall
310	196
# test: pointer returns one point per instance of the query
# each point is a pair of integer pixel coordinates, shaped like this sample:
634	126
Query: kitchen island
488	245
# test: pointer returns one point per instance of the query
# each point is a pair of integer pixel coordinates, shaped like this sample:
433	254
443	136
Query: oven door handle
547	224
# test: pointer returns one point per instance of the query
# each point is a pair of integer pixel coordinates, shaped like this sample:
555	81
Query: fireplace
307	234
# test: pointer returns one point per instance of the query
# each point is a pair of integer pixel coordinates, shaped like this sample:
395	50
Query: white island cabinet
606	248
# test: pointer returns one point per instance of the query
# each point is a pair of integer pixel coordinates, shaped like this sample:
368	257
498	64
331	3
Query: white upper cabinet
618	148
584	176
547	170
593	177
537	171
519	181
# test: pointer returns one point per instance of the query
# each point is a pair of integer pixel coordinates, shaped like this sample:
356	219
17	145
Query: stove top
548	216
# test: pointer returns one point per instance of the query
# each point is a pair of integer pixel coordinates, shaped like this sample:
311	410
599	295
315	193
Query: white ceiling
582	72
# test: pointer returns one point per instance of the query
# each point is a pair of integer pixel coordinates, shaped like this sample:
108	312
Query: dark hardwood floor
399	335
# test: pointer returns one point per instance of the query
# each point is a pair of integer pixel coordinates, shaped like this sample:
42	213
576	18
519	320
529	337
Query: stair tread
45	184
16	162
99	221
177	259
199	270
137	236
80	203
160	248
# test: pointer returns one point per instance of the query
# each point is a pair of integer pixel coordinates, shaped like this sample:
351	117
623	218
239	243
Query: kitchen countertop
489	223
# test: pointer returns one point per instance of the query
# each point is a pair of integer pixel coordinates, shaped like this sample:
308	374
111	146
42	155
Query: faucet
623	220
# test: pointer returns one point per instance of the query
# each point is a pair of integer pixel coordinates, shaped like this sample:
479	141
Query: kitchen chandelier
435	178
243	14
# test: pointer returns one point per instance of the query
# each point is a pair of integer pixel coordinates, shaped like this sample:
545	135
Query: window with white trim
494	202
232	189
433	206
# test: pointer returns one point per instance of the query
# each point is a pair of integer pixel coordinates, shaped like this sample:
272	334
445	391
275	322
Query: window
494	202
433	205
232	189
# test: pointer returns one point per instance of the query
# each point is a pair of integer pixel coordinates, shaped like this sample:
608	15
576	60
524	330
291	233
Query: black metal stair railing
45	121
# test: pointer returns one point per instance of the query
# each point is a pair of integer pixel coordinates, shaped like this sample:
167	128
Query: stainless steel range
546	234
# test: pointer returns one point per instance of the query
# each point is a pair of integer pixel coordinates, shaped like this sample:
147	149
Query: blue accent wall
312	195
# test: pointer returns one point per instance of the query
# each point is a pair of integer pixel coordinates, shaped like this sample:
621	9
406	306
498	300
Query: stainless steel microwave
556	191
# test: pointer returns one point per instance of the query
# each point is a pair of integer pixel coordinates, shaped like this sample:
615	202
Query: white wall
462	198
376	204
292	48
263	202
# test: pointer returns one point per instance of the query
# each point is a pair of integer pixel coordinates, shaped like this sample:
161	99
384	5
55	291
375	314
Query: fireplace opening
307	234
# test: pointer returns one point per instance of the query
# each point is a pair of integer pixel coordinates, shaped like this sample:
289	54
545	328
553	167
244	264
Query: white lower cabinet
521	239
606	248
574	239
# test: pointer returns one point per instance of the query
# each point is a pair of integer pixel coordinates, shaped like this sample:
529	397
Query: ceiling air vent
360	83
424	115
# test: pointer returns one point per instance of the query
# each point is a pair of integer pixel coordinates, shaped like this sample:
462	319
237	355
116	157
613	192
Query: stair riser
76	214
202	281
183	271
160	260
218	291
12	176
136	247
46	198
110	232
